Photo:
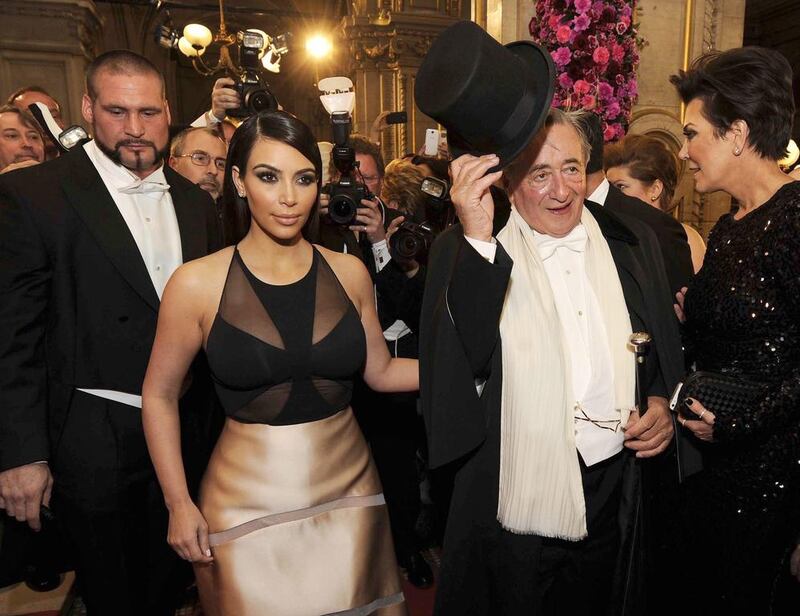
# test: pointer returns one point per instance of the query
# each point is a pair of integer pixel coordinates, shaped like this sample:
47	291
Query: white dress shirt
600	194
146	206
584	331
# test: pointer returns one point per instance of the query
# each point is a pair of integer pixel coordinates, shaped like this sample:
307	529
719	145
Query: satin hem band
365	610
215	539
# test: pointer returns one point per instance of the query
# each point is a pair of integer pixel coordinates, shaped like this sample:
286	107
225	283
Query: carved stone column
387	41
48	43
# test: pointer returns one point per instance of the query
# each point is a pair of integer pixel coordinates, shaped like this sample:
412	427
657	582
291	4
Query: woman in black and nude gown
291	518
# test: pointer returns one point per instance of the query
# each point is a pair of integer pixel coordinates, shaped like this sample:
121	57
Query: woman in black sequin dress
739	517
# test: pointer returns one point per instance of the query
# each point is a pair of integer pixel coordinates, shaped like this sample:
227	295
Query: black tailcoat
669	232
78	310
460	342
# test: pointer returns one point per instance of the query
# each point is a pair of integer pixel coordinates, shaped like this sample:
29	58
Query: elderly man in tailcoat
527	378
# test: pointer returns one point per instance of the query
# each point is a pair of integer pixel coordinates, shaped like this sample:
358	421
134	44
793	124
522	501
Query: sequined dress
740	515
297	519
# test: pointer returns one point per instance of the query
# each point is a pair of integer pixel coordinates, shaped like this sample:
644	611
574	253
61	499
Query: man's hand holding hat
471	196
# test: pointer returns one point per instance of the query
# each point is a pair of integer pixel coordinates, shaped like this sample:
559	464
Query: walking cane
640	341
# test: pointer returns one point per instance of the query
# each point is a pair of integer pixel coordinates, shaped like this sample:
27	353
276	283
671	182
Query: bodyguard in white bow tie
536	306
87	244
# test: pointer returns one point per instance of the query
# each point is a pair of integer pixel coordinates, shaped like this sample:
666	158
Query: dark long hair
280	126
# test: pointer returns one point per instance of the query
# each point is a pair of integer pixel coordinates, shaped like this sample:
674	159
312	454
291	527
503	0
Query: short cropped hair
401	184
179	140
120	62
753	84
647	159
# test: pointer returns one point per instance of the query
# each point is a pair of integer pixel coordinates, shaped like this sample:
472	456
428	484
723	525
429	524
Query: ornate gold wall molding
383	63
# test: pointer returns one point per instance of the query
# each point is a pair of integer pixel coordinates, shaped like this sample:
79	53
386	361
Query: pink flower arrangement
562	56
563	34
595	46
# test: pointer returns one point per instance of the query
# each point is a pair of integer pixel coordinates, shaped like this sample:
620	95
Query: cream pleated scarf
541	490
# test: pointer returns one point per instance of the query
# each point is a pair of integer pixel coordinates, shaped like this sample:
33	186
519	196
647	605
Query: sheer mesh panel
241	308
331	302
336	393
265	407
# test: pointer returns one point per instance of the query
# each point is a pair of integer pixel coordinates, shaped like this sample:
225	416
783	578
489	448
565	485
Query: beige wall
48	43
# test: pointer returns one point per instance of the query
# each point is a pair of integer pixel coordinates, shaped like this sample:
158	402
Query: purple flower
562	56
625	10
612	110
621	28
581	22
582	6
619	79
565	81
605	91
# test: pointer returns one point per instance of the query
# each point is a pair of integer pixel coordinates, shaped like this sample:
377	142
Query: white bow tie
144	186
575	240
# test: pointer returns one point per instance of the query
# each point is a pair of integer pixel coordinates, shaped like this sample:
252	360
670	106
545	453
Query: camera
411	241
347	192
250	84
66	139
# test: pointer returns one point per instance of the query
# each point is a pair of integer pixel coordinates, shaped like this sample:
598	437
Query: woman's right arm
178	339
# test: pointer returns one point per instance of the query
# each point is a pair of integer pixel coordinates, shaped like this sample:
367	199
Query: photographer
396	432
367	236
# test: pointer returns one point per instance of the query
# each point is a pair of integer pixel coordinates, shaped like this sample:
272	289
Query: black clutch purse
719	393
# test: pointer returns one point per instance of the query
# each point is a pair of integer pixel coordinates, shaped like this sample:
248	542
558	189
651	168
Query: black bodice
285	354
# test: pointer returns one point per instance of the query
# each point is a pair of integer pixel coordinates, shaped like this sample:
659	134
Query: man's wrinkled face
130	119
547	183
18	142
198	148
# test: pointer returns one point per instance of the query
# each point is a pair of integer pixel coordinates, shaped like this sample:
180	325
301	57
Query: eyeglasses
202	159
604	424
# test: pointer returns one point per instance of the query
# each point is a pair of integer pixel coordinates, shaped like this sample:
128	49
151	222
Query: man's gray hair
179	140
554	116
575	119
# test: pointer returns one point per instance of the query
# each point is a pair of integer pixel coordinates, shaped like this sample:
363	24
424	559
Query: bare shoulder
350	271
202	279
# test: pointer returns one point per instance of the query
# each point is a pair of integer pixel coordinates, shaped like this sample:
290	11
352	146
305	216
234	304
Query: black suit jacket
77	306
669	232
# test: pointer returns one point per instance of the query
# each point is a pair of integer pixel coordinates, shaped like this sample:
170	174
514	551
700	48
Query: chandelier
197	39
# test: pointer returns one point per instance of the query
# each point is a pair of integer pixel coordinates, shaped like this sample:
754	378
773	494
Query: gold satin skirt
298	524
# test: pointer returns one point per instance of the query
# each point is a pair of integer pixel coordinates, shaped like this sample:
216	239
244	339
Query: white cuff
485	249
207	119
380	251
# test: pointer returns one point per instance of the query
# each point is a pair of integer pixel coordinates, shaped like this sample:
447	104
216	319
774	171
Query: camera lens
406	245
260	100
342	210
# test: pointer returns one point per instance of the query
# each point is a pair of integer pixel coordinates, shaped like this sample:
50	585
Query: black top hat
491	98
